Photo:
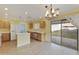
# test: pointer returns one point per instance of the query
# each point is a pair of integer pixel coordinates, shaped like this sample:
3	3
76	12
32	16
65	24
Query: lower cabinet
35	35
5	37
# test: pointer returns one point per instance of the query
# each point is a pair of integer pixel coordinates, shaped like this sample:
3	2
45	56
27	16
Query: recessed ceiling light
5	8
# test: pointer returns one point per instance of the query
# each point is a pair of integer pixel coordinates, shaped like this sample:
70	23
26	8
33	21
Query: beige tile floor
35	48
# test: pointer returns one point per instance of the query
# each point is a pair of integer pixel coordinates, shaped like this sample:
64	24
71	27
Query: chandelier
51	12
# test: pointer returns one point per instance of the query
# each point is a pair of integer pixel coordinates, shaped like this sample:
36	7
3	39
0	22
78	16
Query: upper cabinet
37	25
42	24
30	25
4	25
7	25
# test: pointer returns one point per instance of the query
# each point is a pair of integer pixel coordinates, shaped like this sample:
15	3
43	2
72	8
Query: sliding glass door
65	33
69	35
56	32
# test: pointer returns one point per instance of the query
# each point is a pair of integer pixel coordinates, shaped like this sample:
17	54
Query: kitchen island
23	39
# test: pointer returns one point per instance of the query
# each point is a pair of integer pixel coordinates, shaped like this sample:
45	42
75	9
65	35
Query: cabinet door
30	25
1	24
39	36
42	24
7	25
4	25
5	37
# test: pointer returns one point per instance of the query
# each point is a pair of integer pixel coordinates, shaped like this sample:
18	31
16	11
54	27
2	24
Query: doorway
64	33
56	32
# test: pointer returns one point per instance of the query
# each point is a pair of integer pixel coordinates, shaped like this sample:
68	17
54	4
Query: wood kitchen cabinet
35	35
5	37
4	25
7	25
42	24
30	25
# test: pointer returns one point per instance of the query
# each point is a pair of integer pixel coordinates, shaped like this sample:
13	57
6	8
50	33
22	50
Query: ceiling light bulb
53	10
47	13
5	8
54	15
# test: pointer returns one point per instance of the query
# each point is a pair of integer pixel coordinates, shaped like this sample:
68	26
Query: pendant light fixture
51	11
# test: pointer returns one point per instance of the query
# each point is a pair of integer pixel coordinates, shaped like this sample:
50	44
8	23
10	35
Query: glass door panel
69	35
56	32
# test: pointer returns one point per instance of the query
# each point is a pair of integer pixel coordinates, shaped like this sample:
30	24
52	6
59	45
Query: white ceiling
33	10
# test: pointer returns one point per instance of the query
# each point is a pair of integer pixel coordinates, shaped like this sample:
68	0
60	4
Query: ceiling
33	10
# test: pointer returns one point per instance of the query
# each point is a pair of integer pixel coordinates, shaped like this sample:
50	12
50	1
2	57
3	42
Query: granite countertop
36	31
4	31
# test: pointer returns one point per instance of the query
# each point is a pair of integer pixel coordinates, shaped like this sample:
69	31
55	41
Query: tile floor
36	48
